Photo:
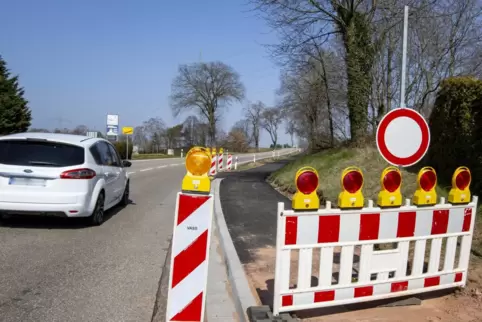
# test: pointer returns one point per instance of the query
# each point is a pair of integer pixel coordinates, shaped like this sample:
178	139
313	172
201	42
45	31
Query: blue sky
81	60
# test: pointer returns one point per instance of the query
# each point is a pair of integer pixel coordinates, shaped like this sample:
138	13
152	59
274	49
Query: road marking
161	166
146	169
130	172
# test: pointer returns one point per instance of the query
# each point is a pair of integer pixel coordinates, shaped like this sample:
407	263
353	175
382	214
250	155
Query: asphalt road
55	269
249	206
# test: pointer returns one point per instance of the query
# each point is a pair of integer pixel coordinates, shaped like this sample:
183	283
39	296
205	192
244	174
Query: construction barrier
190	257
212	171
329	257
220	161
190	241
229	163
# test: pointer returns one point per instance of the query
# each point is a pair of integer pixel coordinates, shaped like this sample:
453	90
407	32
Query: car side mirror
126	164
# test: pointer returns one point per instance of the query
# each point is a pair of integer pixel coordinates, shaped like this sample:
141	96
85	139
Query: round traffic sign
403	137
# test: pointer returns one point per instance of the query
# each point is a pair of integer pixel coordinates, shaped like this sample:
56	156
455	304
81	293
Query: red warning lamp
428	180
353	181
462	180
307	182
425	195
305	197
392	180
460	192
351	195
390	194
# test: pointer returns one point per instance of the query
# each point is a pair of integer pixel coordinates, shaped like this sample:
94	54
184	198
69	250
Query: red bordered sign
403	137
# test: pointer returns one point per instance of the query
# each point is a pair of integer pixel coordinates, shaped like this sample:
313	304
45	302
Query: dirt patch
461	305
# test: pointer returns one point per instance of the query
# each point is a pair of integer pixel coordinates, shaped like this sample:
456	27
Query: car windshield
40	153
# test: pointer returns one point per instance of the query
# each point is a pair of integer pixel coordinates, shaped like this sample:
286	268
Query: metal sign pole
404	58
127	147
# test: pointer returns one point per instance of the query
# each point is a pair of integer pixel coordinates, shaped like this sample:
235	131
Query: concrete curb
243	297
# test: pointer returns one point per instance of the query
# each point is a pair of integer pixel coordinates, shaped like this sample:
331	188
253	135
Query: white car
61	175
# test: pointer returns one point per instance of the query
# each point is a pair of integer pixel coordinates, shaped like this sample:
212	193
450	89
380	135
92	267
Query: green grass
148	156
330	165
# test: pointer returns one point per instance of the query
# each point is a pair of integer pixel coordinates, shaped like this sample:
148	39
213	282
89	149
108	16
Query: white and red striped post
229	164
212	171
189	258
220	161
191	237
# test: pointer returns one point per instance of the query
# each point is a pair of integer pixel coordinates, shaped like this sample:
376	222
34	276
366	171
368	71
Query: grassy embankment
148	156
330	165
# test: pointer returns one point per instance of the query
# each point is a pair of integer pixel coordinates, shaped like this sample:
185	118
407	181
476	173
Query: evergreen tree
15	116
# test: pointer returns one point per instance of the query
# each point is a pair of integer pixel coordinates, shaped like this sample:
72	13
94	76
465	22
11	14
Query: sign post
127	130
403	135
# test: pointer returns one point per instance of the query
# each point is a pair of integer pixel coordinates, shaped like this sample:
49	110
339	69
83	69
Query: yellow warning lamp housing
460	192
208	150
351	195
425	195
305	197
213	151
390	181
198	163
221	151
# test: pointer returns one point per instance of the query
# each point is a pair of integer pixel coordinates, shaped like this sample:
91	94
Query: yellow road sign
127	130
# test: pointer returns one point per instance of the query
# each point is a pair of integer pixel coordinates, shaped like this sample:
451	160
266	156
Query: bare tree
207	87
300	22
243	126
290	129
139	137
80	130
237	139
253	114
270	121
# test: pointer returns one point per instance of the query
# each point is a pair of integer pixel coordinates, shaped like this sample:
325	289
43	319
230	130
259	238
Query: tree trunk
328	105
359	61
256	140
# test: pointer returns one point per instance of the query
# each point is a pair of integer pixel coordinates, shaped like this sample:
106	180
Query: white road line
161	166
146	169
130	172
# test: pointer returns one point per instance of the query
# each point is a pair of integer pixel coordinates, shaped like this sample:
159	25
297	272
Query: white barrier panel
189	258
350	269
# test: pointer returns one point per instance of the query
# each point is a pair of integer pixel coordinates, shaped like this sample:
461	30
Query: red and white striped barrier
229	163
189	257
363	272
220	161
212	171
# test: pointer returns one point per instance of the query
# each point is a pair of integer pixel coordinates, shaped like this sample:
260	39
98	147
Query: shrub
121	146
456	134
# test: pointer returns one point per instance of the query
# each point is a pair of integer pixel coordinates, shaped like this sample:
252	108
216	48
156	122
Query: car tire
97	216
125	196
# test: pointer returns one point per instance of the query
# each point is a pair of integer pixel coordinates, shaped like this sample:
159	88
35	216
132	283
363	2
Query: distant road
58	270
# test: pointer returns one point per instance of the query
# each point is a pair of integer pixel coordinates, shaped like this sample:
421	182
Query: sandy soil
460	305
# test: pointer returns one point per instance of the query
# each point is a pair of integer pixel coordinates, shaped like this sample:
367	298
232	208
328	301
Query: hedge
121	147
456	129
